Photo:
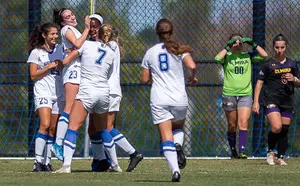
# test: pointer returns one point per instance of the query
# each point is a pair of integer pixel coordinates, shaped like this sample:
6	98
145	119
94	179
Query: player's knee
231	127
243	125
44	127
276	129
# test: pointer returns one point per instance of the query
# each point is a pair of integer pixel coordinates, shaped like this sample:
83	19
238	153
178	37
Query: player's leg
44	112
274	117
77	117
63	122
230	106
99	163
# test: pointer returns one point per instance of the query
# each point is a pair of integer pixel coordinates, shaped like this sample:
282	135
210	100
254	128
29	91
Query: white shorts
94	100
57	106
164	113
72	74
114	102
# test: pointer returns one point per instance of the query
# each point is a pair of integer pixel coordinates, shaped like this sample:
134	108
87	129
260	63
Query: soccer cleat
37	167
180	155
100	165
243	156
134	161
176	177
64	169
270	158
47	168
57	150
234	154
115	168
280	161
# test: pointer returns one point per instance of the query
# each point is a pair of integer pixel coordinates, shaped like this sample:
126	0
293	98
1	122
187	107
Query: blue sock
69	146
97	146
170	153
40	142
109	146
121	141
47	151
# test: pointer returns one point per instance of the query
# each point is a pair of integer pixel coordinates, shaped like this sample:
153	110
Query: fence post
259	36
34	17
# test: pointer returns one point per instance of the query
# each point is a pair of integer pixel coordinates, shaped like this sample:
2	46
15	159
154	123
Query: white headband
98	17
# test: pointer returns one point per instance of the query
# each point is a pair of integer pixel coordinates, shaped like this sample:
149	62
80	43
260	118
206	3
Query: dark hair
164	30
280	37
36	39
57	17
234	35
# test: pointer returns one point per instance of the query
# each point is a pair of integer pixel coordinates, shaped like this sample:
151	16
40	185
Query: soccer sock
231	136
272	140
97	146
62	127
109	146
243	137
40	142
47	151
178	135
283	141
69	146
170	153
121	141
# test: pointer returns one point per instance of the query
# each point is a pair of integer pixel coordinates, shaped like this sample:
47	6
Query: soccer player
48	88
279	75
93	97
237	89
162	64
71	39
115	96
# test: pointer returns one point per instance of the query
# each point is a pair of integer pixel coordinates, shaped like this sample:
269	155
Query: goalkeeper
237	88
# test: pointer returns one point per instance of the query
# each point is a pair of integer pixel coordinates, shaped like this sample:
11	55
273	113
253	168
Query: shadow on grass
162	181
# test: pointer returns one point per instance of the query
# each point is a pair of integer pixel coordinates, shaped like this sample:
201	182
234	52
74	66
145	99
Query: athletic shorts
164	113
56	105
114	103
72	75
231	103
94	100
283	110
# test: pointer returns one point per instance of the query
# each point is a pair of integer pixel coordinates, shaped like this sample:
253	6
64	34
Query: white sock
62	127
170	153
40	142
69	146
47	151
109	146
178	136
121	141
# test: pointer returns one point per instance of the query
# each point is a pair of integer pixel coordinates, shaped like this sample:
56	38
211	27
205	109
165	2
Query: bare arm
189	62
36	74
261	51
73	55
146	76
70	36
255	107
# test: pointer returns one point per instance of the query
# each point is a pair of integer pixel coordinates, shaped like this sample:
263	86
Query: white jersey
68	45
97	61
168	86
49	86
114	80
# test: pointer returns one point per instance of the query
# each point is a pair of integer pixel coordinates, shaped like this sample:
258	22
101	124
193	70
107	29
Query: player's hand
249	41
289	76
192	81
230	43
255	107
60	64
52	65
87	21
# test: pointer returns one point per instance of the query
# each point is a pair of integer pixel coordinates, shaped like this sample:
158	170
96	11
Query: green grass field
156	172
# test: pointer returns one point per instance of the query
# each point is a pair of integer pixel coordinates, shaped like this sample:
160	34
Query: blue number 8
163	62
102	54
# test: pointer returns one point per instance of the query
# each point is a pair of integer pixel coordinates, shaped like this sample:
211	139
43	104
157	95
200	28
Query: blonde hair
105	33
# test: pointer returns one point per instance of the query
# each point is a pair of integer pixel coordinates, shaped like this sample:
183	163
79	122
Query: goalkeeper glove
249	41
230	43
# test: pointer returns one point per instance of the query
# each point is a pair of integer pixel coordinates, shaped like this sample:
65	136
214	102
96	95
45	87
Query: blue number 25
102	54
163	62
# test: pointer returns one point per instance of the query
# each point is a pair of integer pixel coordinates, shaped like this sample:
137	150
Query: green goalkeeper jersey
237	73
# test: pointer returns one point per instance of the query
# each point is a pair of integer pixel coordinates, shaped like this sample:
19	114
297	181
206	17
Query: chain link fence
205	25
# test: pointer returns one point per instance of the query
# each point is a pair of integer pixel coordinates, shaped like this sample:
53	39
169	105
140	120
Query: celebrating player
48	88
71	39
162	64
237	89
279	75
93	97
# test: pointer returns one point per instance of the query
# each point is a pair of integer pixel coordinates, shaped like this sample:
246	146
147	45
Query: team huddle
80	78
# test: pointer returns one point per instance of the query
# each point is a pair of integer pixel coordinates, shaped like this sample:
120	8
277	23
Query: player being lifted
279	75
71	39
237	89
162	64
99	163
48	88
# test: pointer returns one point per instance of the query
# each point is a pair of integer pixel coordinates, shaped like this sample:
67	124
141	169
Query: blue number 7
102	54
